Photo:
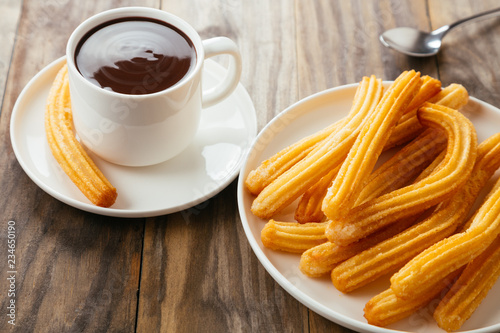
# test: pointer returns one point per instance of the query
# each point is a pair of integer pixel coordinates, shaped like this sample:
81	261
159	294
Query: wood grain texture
199	274
11	11
194	271
471	52
338	41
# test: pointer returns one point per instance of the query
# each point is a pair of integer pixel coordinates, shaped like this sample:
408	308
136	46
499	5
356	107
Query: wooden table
194	271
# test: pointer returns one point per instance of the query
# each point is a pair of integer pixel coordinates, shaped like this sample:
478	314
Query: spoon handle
484	15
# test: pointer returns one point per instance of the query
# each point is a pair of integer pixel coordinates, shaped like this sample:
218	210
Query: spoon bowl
412	42
417	43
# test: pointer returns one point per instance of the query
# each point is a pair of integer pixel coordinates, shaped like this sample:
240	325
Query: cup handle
216	46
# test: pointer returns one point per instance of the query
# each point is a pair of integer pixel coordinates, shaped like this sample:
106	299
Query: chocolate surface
135	55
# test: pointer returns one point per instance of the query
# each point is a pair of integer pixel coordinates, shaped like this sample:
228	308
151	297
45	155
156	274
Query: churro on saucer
68	151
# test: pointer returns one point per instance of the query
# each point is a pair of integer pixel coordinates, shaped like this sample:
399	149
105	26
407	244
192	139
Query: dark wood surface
194	271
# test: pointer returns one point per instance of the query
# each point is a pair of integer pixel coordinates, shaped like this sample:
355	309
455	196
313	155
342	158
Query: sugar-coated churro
292	236
451	253
470	289
67	150
386	308
321	259
393	174
453	96
452	173
369	144
296	180
280	162
393	253
358	223
430	87
404	166
309	206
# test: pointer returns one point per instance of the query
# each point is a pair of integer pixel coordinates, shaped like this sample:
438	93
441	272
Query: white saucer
206	167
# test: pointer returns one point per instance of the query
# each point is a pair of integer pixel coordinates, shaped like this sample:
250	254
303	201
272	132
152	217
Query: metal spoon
424	44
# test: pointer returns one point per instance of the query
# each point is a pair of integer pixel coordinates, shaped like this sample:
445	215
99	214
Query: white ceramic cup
141	130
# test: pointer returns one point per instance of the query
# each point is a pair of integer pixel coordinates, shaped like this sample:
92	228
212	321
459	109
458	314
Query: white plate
304	118
207	166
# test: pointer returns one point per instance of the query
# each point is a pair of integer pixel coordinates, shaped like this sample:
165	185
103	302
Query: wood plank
76	271
8	25
471	52
325	58
199	272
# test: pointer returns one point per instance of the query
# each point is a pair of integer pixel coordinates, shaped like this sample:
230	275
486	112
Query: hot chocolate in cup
135	76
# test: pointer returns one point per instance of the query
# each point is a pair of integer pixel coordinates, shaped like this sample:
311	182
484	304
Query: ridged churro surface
68	152
417	197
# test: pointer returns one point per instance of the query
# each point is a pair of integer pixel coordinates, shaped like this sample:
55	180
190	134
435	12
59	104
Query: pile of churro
68	151
410	218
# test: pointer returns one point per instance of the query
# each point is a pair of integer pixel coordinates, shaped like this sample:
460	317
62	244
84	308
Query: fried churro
453	96
393	253
67	151
369	144
430	87
386	308
292	236
296	180
280	162
404	166
321	259
309	207
449	254
451	174
470	289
